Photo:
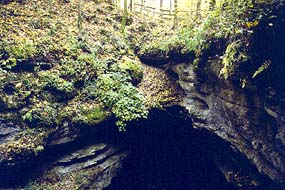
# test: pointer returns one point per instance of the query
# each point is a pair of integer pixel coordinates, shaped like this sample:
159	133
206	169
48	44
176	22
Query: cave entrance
166	153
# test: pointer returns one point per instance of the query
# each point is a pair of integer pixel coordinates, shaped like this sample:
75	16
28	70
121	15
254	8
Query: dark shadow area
18	176
9	1
168	154
268	45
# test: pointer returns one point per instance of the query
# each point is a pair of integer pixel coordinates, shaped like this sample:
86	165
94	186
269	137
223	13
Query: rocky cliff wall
241	117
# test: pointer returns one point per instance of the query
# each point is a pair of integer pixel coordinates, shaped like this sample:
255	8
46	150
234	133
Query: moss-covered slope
64	67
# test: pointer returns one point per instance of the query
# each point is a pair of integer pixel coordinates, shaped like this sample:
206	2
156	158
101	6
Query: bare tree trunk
198	9
142	5
124	19
175	13
144	8
131	5
80	20
160	7
212	5
49	12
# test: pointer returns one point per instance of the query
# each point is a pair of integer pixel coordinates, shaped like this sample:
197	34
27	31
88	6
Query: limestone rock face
91	167
72	158
7	131
240	116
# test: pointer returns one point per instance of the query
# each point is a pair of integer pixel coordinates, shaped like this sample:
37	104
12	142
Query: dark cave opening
168	154
165	153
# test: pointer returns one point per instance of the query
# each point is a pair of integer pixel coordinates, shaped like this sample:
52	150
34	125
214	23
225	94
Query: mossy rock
91	116
25	145
88	113
132	67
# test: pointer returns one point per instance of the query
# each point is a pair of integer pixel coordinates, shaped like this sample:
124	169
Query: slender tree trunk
144	11
131	5
160	7
198	9
50	6
124	20
212	5
80	20
175	13
142	5
49	12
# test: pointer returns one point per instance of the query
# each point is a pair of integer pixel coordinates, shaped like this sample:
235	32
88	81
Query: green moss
95	116
90	115
132	67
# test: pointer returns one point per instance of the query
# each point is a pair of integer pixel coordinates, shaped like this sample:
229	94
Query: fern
262	68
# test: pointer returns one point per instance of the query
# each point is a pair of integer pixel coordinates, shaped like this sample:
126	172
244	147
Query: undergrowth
224	33
50	74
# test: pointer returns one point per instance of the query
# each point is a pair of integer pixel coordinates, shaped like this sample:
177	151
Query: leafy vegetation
117	93
66	65
226	32
234	55
57	62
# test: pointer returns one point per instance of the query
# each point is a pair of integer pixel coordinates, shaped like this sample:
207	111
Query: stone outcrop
240	116
89	167
71	159
7	131
242	101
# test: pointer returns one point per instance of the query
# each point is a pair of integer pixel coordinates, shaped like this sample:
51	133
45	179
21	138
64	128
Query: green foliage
235	54
132	68
55	82
81	64
46	70
82	68
117	93
262	68
179	43
224	32
42	113
10	53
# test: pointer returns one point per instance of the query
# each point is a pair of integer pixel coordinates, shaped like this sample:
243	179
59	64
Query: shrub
11	53
235	54
41	114
54	82
117	93
132	68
